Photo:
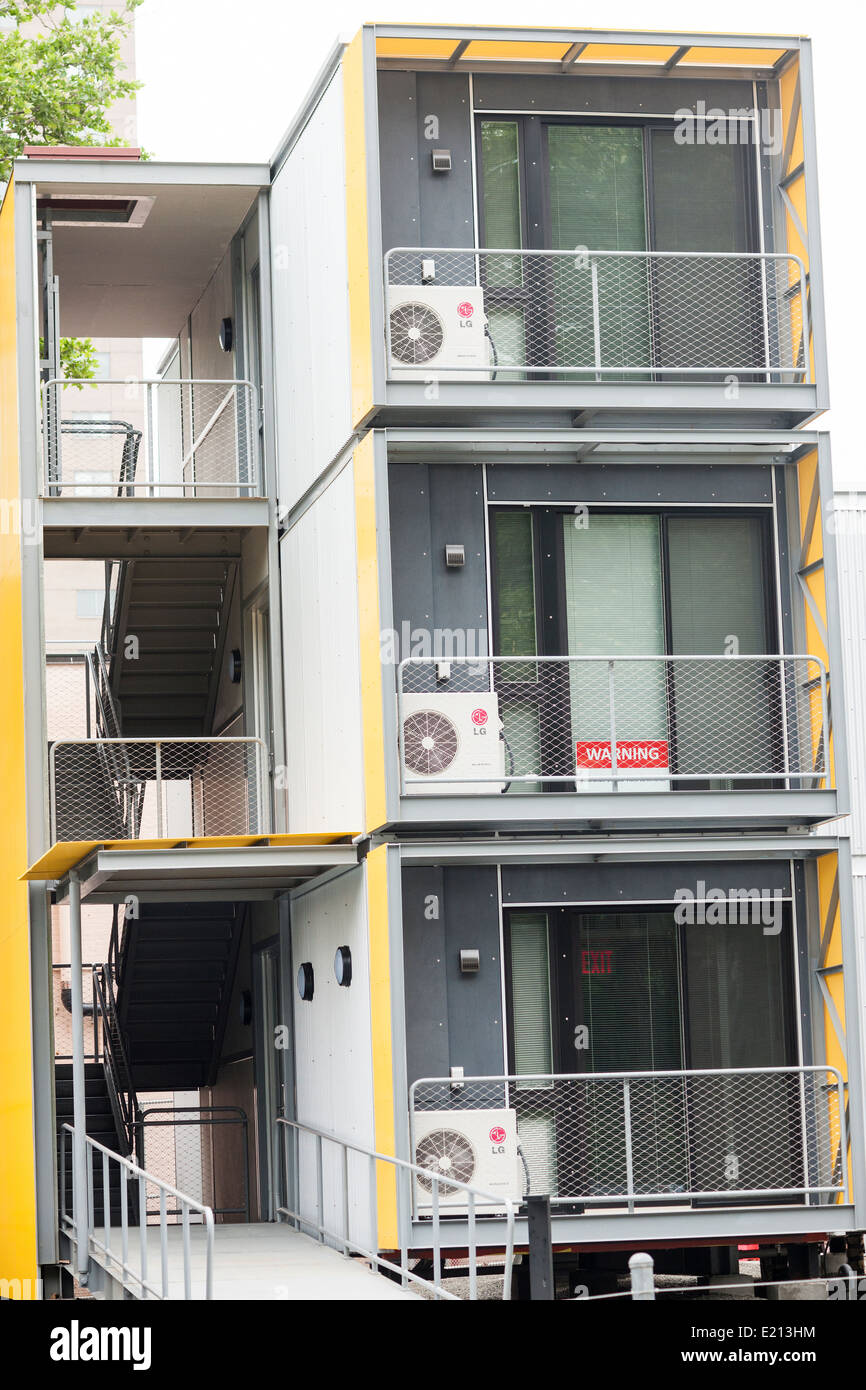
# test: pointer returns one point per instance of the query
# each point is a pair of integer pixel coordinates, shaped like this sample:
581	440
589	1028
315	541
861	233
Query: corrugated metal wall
332	1040
848	522
310	308
324	760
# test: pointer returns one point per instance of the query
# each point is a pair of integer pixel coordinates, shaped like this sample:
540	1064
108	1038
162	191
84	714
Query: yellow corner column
17	1162
369	636
357	234
381	1035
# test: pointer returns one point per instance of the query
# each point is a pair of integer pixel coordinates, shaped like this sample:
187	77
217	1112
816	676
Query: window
567	183
632	586
89	603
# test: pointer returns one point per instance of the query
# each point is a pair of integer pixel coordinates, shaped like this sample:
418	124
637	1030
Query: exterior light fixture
343	966
441	161
455	556
470	962
246	1007
306	981
236	667
227	335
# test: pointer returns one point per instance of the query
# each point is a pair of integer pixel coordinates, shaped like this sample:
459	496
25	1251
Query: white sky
224	77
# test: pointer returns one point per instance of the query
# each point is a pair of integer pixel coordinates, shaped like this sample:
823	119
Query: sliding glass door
595	991
638	588
566	184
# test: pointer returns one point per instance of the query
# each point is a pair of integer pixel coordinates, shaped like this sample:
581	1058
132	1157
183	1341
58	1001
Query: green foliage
78	359
56	87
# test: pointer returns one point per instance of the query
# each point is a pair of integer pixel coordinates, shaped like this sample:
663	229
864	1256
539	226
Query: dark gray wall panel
474	1001
621	95
420	208
587	883
398	159
447	215
425	979
430	507
451	1019
655	483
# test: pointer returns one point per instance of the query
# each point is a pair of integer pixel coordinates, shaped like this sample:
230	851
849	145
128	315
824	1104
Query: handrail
120	1264
806	1133
170	765
584	311
475	1196
183	460
624	722
124	1101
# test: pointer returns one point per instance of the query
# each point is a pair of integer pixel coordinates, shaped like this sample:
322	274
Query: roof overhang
583	51
239	867
148	238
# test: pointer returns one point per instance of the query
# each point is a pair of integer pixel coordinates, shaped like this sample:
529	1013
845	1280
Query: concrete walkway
268	1262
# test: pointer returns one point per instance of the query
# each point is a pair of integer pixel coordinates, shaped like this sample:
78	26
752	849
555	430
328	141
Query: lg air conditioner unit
438	328
478	1147
452	744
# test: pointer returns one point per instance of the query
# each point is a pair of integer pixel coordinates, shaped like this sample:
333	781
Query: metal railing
612	724
132	789
183	438
656	315
62	992
350	1185
664	1138
118	1076
170	1141
108	1177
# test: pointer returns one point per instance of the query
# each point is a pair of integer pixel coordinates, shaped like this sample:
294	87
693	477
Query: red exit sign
596	962
630	753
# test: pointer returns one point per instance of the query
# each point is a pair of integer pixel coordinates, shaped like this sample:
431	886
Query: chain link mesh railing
133	789
657	1137
201	1149
197	439
599	724
597	315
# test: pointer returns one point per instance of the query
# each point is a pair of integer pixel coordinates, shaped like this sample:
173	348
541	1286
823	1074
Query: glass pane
726	716
701	203
530	992
500	199
596	192
514	578
614	608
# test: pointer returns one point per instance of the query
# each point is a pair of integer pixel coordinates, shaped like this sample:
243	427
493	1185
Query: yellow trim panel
17	1160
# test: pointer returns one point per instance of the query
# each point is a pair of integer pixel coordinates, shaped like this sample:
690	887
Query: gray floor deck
268	1262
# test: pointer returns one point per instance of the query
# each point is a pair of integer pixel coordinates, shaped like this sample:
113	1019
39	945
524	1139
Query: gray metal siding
648	882
633	483
432	506
849	529
614	95
452	1019
420	208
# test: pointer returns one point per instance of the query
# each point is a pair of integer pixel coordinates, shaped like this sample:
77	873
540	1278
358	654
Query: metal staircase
175	965
165	683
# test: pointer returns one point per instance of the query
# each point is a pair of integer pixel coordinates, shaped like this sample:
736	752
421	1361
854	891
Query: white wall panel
324	755
333	1050
310	300
849	524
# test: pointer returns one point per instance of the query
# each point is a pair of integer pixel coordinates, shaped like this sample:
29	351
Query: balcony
179	439
619	739
173	788
620	1142
600	329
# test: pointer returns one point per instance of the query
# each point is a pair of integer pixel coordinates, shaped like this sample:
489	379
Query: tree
57	86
